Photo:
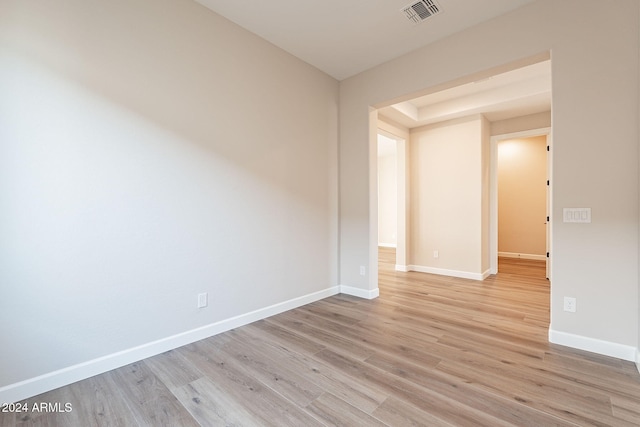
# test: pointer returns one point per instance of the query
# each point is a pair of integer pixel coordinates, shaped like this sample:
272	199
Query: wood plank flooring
431	351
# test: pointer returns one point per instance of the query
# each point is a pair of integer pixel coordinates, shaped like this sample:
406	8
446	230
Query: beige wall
522	123
586	42
485	196
146	158
387	196
447	192
522	200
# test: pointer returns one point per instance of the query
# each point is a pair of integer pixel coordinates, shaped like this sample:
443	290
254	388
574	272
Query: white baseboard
360	293
403	268
387	245
453	273
50	381
638	359
606	348
523	256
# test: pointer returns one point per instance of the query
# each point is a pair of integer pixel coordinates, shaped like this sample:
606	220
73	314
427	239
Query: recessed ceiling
520	92
346	37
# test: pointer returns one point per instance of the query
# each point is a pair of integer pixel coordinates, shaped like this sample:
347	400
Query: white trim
360	293
523	256
387	245
523	134
453	273
607	348
638	359
403	268
52	380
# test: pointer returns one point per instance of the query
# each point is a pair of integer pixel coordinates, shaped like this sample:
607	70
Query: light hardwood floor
432	350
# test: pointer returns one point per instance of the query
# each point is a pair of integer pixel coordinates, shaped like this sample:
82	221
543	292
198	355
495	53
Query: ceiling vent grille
419	11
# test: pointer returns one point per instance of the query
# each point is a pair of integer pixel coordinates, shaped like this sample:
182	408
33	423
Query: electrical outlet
436	254
570	304
203	300
363	270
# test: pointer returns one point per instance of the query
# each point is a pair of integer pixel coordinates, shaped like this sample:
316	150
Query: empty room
189	214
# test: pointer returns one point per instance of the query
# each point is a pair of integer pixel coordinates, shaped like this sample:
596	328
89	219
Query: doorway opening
500	116
392	185
521	200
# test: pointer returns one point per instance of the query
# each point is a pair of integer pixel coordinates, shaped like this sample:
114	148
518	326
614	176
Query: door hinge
547	254
547	182
547	219
547	148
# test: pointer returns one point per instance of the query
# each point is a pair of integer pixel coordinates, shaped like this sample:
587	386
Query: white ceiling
515	93
346	37
519	92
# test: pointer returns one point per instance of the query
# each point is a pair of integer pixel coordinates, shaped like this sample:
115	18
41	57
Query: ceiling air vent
419	11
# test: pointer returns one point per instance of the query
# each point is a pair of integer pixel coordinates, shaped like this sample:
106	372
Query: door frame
493	194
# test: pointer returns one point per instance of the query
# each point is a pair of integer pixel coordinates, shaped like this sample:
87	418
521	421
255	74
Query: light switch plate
581	215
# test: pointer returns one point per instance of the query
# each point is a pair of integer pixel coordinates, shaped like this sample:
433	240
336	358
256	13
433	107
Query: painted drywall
387	192
485	196
521	123
447	193
150	151
522	196
595	140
